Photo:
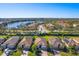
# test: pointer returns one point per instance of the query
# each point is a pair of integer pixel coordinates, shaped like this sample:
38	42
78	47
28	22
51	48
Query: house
76	40
55	43
1	40
26	43
41	43
73	42
69	41
11	42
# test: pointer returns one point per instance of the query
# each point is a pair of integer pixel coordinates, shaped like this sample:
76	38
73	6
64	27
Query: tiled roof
26	41
40	41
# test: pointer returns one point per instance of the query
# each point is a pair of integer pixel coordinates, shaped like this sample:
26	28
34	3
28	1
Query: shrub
31	54
17	53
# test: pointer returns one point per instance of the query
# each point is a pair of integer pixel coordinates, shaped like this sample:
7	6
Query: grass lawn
67	54
48	37
31	54
3	36
1	53
17	53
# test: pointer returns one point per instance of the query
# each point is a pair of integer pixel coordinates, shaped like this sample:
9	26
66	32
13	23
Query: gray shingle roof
11	42
41	41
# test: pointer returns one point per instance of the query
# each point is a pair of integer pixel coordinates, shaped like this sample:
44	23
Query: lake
17	24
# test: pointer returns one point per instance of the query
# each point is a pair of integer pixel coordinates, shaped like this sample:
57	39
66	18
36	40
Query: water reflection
18	24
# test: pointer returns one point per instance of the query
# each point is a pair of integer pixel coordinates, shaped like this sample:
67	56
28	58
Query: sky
39	10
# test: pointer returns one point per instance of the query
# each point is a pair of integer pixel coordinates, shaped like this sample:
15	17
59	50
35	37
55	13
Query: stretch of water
17	24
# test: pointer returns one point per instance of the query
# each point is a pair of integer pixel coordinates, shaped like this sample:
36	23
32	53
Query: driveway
44	53
3	54
56	52
25	53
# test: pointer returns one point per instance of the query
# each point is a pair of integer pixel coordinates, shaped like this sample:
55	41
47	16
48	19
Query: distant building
63	23
42	29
